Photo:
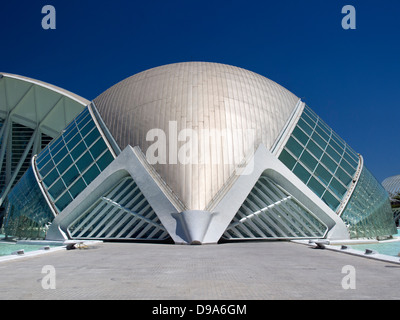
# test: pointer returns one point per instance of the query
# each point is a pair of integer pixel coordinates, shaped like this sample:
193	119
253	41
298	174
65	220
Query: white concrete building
197	152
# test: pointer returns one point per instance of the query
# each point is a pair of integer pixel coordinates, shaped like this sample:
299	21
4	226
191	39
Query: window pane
74	141
91	137
98	148
70	134
332	202
91	174
351	160
308	160
42	159
336	147
350	170
47	168
323	174
300	135
316	187
338	140
287	159
321	142
105	160
63	201
82	115
78	150
308	120
57	146
77	187
64	164
294	147
302	124
85	130
310	113
337	188
333	154
325	127
57	189
322	133
61	154
329	163
85	121
302	173
343	176
314	149
51	177
85	161
70	175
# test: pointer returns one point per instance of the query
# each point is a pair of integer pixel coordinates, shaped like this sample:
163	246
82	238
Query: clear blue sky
351	78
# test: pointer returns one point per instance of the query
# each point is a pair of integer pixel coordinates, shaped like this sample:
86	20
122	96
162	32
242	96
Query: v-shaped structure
191	152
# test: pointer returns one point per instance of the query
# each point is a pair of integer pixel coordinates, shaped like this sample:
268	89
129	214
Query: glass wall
270	211
320	158
73	160
28	214
368	213
121	213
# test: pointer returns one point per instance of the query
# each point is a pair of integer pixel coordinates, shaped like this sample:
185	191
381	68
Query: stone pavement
242	270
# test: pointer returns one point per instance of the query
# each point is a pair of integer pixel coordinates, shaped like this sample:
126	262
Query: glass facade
320	158
368	213
73	160
121	213
28	214
271	212
18	148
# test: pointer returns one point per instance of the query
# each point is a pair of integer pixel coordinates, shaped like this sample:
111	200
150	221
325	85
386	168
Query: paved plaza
242	270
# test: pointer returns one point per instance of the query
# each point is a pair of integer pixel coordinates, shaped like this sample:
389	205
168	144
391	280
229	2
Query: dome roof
197	96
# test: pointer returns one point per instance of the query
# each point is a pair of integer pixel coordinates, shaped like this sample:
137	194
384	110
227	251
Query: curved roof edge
64	92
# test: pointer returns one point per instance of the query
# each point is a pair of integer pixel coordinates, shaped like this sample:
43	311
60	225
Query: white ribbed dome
197	96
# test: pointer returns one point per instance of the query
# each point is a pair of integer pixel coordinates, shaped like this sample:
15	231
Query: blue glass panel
70	175
78	150
87	128
368	212
92	137
73	154
294	147
85	161
77	187
45	157
61	154
323	174
98	148
314	146
308	160
57	189
105	160
314	149
91	174
51	177
337	187
287	159
330	200
64	164
302	173
47	168
63	201
27	221
300	135
317	187
329	163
